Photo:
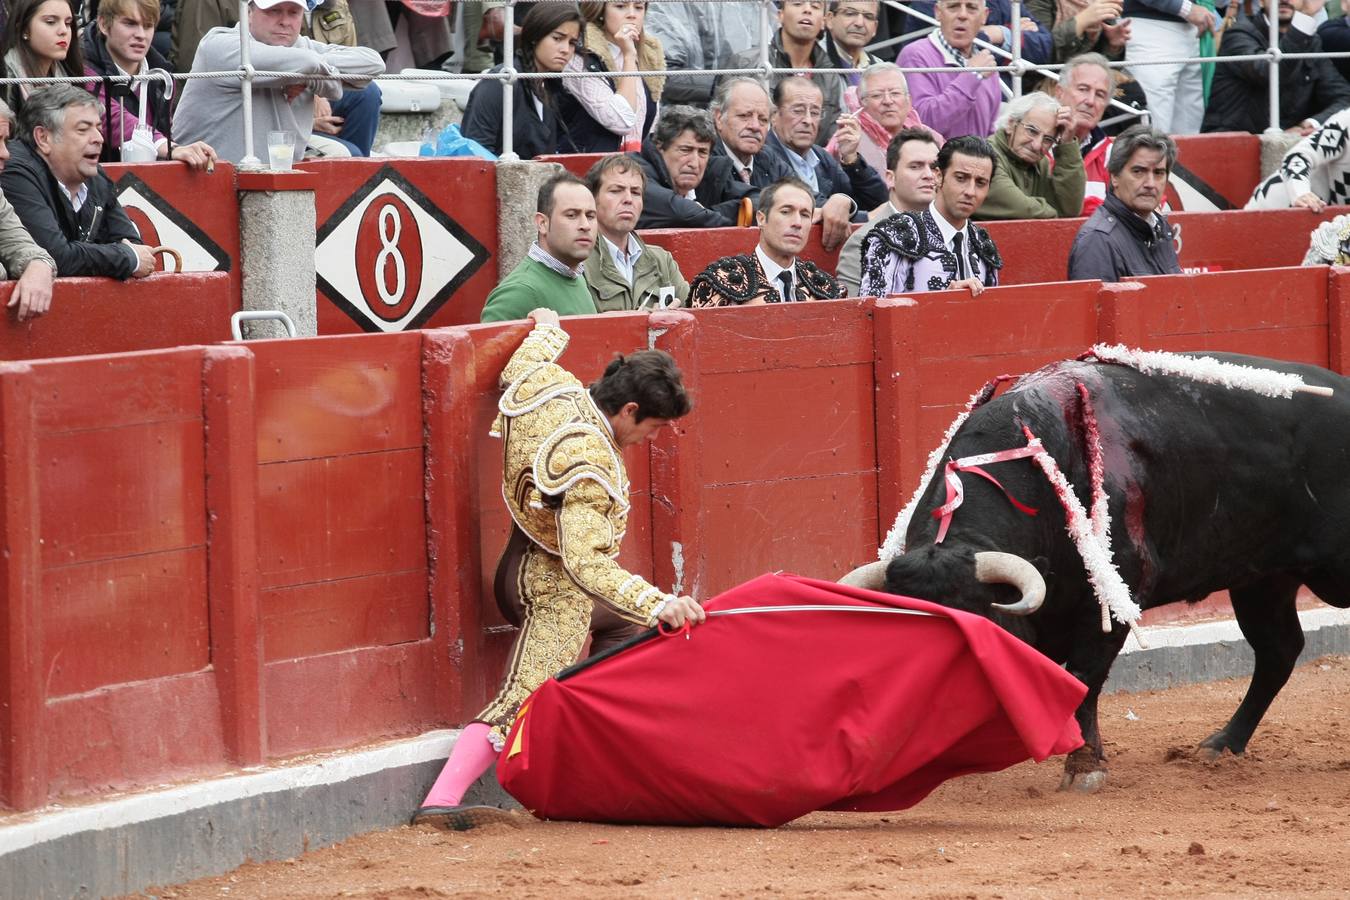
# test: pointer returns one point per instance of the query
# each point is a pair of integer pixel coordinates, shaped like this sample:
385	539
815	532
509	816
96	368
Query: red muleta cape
760	718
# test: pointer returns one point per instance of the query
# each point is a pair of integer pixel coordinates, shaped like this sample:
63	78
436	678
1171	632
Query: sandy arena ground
1275	822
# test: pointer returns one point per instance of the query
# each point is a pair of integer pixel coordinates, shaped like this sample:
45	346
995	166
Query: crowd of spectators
703	150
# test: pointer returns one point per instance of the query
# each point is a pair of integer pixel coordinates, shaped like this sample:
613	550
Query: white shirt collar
945	228
748	168
76	199
771	268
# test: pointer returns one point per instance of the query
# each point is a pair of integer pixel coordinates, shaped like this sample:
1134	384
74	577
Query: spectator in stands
212	110
997	30
773	273
548	39
1127	236
741	114
958	102
850	25
1310	89
623	272
795	46
116	43
687	187
550	275
1315	171
1170	30
1026	184
844	188
329	21
911	175
20	256
598	115
1082	26
1086	84
883	110
939	248
39	41
698	35
62	195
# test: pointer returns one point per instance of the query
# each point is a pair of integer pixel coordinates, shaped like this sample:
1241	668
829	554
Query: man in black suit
688	187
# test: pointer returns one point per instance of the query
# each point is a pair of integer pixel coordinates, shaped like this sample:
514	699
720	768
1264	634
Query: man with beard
843	187
623	272
911	175
550	275
1127	236
1086	84
773	273
687	187
939	248
1026	184
741	112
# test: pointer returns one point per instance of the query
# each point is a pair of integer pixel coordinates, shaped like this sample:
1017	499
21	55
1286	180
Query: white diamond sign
162	225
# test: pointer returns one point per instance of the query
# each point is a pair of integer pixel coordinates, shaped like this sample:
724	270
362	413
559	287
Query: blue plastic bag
450	142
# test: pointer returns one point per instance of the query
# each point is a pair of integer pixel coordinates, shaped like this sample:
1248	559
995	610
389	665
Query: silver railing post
509	85
765	28
1017	47
246	63
1273	18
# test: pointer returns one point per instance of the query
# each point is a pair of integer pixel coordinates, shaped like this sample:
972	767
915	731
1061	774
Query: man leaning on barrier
62	195
20	256
212	109
688	187
566	487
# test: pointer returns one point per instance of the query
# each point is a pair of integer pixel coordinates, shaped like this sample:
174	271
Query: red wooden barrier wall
217	556
103	315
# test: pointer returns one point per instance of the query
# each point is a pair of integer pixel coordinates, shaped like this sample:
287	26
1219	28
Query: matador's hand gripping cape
563	477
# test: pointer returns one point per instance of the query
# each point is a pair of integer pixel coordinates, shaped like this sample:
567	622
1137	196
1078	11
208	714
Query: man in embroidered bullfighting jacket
566	488
773	273
938	248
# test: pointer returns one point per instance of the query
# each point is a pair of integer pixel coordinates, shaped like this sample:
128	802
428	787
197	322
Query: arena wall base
205	828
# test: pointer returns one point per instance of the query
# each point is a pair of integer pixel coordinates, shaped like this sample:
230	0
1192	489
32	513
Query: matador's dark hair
648	378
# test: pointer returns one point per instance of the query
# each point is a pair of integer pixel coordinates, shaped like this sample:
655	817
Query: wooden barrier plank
1036	320
128	619
370	610
745	340
232	547
131	736
787	423
119	491
341	699
1234	301
23	726
339	517
677	537
338	395
1338	319
895	337
112	391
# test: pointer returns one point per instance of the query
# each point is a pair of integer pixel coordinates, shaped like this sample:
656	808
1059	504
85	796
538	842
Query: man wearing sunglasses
1025	184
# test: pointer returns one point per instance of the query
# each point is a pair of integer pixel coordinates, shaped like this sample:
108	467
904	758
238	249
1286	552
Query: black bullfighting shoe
463	818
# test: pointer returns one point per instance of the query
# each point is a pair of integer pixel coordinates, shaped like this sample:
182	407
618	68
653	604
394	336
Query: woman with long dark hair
40	42
602	115
548	39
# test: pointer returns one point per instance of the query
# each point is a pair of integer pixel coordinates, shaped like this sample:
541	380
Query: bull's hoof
1083	782
1218	743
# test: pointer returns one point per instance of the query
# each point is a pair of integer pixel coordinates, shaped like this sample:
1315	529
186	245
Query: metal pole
764	28
1273	20
1016	48
509	86
246	63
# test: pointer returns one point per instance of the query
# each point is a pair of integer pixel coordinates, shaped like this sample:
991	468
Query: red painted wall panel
368	610
129	619
1227	162
398	246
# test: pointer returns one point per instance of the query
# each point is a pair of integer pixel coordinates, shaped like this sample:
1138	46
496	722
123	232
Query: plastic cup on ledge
280	150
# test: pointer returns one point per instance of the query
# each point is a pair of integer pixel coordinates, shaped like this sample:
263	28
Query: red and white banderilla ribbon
972	464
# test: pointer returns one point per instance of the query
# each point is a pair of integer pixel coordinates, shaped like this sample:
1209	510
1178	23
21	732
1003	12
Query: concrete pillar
1274	144
517	189
276	240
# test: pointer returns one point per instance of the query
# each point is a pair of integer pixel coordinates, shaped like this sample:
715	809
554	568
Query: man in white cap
212	110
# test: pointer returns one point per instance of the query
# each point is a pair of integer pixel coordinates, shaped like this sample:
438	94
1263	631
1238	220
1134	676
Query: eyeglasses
1046	139
892	94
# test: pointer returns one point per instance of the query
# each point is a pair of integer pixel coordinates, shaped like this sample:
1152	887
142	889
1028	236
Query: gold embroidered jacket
563	476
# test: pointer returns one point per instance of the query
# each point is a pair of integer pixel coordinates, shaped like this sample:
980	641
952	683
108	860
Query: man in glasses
1025	184
850	25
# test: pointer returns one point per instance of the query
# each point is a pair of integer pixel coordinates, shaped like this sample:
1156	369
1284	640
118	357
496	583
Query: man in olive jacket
1025	185
623	272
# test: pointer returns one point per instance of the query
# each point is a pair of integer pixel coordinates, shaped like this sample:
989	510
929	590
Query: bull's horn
871	576
1008	568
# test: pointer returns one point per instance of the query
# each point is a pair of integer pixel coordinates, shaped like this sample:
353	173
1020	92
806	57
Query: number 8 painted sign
389	257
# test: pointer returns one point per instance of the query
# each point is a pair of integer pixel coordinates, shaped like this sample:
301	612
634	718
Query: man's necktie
744	173
957	241
785	282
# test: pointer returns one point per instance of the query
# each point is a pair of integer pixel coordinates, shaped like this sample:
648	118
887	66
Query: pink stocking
469	759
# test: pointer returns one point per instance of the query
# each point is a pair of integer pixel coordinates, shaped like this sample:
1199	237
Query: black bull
1210	488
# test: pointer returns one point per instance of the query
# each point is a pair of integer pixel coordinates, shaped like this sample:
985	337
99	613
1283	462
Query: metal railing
1015	66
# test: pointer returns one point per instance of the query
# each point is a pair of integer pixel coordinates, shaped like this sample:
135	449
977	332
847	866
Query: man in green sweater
550	275
1026	185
